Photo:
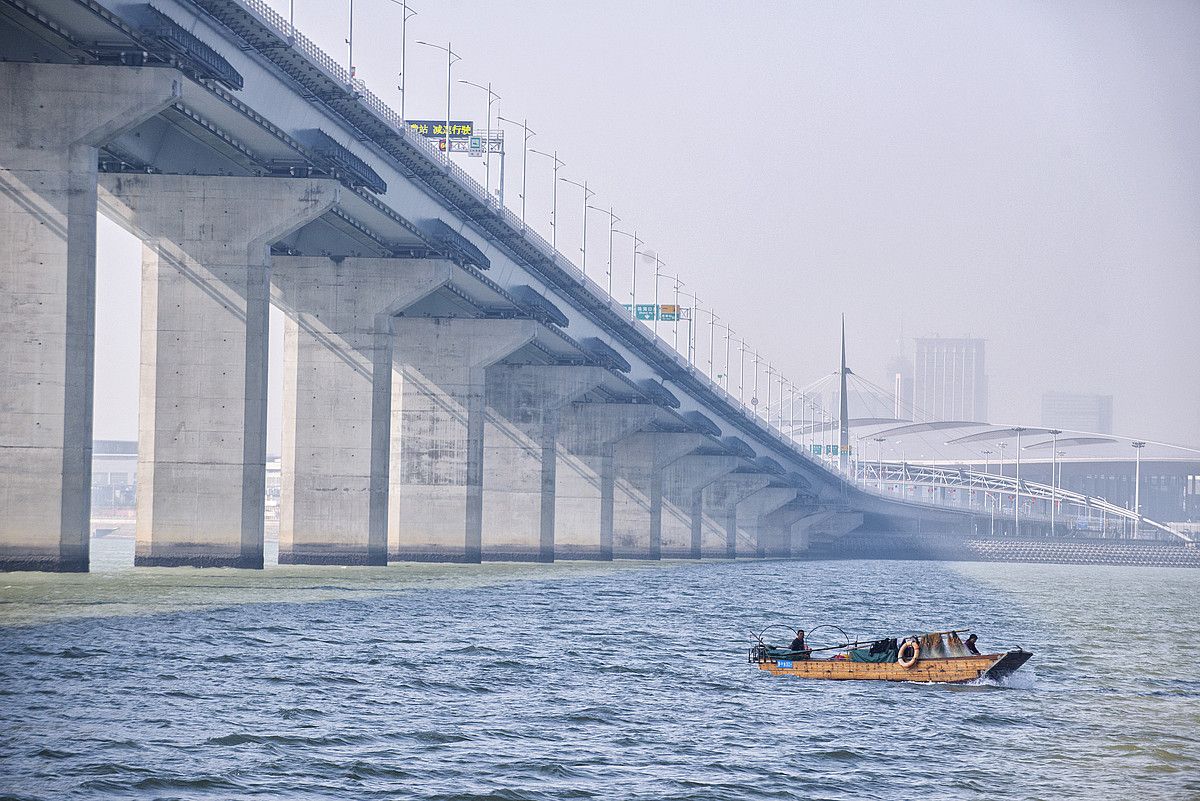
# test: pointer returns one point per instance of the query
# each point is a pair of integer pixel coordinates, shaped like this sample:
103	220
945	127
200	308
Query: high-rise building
1078	412
949	379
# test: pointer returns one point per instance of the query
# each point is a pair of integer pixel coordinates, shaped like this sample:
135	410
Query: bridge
455	389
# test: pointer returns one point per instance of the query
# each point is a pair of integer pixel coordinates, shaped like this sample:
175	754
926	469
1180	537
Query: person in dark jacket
798	643
970	643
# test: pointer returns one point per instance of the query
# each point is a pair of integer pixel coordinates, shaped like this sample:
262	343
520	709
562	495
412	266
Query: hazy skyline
1028	173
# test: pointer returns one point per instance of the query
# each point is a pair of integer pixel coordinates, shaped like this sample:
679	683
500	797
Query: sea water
586	681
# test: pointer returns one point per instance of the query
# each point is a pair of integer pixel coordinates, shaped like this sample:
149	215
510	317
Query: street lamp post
1137	486
657	274
524	123
350	46
587	195
879	475
675	330
451	58
637	243
1053	484
742	371
712	336
728	336
553	196
405	12
612	220
487	142
754	394
770	372
691	334
1017	497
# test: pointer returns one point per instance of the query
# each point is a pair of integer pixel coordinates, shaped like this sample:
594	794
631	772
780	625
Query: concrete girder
719	501
823	527
203	386
778	526
521	455
435	501
641	459
585	478
57	116
683	503
337	375
752	512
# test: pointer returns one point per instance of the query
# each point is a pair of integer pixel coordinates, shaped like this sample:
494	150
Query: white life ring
908	654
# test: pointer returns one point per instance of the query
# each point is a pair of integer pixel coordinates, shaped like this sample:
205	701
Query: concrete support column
683	505
823	527
641	460
520	456
435	505
337	383
205	300
55	116
752	515
585	477
719	502
777	529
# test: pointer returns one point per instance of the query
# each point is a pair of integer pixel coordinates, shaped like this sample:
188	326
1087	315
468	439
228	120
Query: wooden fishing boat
939	656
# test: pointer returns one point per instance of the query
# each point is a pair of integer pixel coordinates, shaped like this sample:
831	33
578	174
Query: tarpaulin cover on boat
880	651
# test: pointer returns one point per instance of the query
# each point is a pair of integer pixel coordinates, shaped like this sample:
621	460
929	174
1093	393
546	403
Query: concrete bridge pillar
719	502
752	515
337	379
778	529
520	455
823	527
205	301
641	460
56	116
435	504
683	513
585	477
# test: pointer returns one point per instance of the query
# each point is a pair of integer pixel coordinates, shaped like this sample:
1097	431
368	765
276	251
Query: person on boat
798	643
970	643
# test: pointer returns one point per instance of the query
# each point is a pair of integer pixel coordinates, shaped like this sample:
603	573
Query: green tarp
865	655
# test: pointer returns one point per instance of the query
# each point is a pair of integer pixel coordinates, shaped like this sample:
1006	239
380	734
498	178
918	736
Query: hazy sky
1026	172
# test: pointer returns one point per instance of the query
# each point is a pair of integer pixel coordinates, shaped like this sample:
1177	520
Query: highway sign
435	129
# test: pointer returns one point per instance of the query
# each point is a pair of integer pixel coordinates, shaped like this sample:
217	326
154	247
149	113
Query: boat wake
1013	681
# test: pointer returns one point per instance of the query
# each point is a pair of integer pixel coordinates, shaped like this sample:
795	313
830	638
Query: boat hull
947	670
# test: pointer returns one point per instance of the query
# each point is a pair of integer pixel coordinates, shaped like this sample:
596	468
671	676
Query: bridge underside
431	410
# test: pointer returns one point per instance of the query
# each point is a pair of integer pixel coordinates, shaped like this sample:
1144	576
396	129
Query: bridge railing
1079	507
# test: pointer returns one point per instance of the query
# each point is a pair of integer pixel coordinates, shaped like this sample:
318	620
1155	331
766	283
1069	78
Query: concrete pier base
337	371
205	300
641	460
439	378
752	513
520	456
683	503
55	118
719	523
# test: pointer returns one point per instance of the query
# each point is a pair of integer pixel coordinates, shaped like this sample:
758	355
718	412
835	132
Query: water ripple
576	681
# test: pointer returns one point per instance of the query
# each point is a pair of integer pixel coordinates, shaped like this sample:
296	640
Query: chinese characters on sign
433	129
667	313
